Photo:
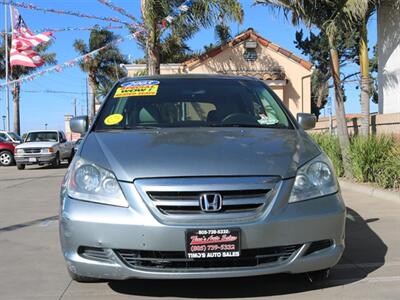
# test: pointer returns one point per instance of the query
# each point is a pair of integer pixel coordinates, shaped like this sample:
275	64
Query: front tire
6	158
318	276
56	163
20	166
71	157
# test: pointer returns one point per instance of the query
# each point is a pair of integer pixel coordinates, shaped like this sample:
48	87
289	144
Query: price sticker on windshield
137	88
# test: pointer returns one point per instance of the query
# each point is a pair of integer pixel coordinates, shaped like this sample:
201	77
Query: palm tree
328	16
19	71
204	13
364	68
104	66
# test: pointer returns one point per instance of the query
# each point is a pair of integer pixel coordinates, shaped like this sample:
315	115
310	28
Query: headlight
48	150
314	179
19	151
90	182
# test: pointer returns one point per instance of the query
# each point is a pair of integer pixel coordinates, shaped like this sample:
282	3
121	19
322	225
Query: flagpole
6	64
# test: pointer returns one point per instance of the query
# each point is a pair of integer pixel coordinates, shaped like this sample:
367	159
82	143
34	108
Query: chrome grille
32	150
177	200
173	260
188	202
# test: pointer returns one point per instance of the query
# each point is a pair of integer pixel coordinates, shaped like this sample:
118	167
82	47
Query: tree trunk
365	84
153	38
153	51
16	97
93	87
341	123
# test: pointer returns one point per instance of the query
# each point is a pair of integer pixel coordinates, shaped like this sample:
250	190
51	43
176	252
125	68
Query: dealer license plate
32	159
212	243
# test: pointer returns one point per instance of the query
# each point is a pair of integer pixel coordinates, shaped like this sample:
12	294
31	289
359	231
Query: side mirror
79	124
306	121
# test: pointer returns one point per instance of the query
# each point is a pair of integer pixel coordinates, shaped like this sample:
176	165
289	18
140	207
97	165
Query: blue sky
39	108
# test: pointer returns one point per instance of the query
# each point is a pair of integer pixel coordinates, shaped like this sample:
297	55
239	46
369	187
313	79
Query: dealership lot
32	267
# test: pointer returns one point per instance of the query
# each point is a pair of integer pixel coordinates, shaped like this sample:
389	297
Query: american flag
23	42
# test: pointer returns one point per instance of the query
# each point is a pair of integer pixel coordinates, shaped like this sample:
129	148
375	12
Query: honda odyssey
196	176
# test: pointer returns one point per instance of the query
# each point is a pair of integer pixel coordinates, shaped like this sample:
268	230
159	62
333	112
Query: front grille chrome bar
177	200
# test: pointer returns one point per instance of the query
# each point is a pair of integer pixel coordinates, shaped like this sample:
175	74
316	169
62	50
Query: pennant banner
118	9
67	64
139	29
97	27
184	7
65	12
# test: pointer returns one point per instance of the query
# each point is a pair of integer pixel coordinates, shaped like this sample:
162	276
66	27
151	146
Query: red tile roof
250	33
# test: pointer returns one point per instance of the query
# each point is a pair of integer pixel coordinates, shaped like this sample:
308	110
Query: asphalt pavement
32	267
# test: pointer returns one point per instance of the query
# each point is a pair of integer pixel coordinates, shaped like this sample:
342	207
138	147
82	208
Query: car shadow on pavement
365	252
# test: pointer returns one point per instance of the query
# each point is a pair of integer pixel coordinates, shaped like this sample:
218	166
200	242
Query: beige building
252	55
389	56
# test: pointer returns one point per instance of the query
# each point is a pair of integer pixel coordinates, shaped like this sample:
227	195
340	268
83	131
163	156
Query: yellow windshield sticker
113	119
136	90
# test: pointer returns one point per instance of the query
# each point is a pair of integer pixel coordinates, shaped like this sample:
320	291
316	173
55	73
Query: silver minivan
198	176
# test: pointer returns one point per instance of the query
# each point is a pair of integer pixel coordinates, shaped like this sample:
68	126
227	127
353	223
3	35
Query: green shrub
388	171
330	145
372	159
368	155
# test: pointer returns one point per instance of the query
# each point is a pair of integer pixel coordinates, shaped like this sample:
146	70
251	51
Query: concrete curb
370	190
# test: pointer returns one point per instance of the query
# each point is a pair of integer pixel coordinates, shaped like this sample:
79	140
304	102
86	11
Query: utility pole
74	107
87	98
6	64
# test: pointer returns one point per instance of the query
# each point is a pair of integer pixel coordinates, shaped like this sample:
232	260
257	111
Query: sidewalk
370	190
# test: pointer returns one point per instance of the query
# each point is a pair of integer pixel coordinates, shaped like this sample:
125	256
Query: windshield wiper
140	127
127	128
277	125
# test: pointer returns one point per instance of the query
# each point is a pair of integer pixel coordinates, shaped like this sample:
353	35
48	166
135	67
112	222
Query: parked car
43	147
11	137
198	177
6	153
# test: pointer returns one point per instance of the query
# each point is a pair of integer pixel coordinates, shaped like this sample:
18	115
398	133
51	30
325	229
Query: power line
54	92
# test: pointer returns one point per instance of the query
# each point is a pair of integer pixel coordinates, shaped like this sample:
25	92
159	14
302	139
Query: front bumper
135	228
34	159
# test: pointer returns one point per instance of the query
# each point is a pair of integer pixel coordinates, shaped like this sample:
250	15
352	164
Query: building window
250	55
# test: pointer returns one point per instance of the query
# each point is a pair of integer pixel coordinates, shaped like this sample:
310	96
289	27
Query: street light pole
45	126
6	64
4	122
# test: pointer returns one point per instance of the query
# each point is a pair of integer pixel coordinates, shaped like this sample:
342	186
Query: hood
189	152
36	145
6	145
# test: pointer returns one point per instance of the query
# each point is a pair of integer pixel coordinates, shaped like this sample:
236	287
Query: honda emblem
211	202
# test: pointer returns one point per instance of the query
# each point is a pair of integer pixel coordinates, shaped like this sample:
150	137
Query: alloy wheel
5	159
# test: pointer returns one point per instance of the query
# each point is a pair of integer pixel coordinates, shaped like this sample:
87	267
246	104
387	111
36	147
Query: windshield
15	136
178	102
43	136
